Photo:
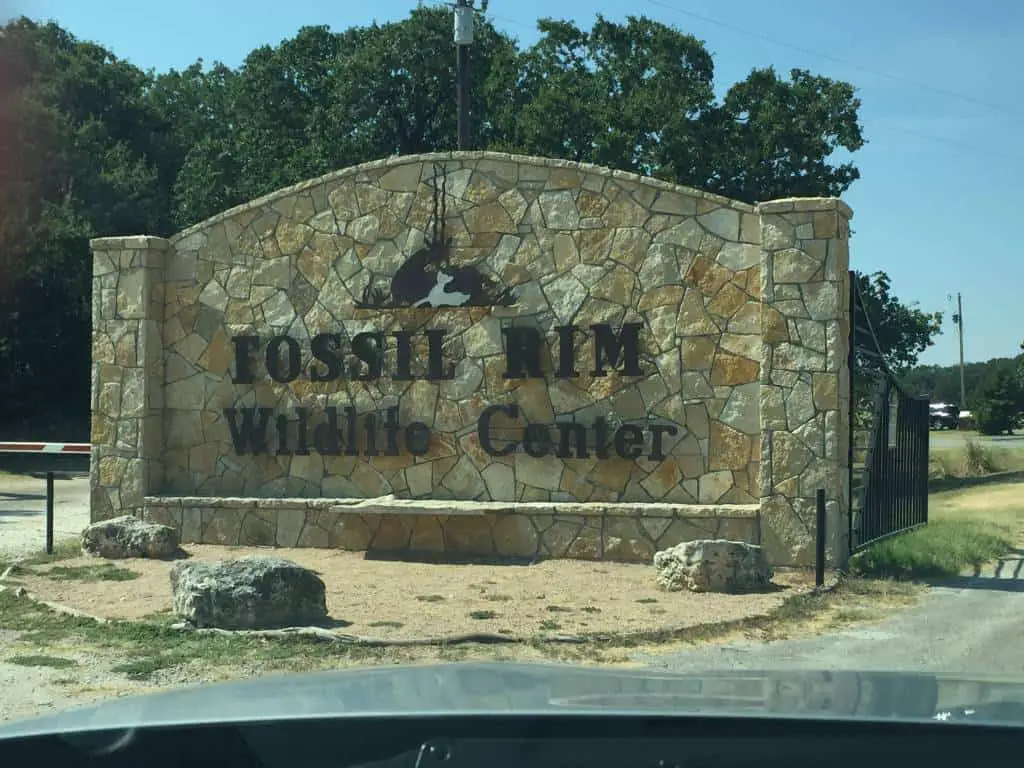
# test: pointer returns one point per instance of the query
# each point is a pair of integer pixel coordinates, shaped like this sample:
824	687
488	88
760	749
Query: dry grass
974	459
1000	505
402	600
122	655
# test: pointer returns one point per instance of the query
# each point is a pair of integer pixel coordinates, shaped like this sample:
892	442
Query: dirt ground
409	600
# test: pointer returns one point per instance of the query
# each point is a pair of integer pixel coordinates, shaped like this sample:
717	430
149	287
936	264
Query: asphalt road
973	626
23	511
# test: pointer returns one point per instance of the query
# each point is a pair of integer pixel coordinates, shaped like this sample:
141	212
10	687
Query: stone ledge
805	205
243	502
389	505
130	242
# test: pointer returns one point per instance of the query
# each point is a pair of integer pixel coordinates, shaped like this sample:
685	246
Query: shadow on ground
1004	575
12	496
957	483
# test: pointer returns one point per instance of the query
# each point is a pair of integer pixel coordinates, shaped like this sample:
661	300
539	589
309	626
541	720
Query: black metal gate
888	441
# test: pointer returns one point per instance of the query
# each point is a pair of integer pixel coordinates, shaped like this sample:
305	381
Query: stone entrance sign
477	353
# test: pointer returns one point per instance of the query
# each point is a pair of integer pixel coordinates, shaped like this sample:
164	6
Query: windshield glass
352	337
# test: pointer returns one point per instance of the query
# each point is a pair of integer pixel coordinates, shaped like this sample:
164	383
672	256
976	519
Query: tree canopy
91	145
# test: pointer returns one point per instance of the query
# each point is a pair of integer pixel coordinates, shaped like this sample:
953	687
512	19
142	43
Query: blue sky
939	203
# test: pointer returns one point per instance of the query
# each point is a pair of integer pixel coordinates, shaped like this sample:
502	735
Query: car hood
555	689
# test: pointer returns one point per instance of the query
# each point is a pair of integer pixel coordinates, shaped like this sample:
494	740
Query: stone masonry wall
805	375
740	350
127	373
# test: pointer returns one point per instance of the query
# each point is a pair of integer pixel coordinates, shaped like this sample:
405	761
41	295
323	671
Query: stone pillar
804	377
127	373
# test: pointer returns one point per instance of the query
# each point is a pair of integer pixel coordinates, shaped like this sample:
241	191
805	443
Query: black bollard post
819	559
49	513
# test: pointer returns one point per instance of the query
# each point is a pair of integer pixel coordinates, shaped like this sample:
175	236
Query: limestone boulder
712	565
255	592
124	537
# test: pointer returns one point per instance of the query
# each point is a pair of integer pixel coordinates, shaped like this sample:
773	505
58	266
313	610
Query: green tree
941	383
197	173
639	97
902	331
1000	402
625	96
1020	364
77	133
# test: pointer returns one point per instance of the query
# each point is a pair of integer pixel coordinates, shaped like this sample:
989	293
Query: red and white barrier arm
45	447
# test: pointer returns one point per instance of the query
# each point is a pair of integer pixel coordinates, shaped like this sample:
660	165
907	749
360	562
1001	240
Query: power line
949	142
515	22
837	59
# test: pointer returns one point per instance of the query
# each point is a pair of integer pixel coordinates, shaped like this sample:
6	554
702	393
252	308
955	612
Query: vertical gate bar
925	449
884	494
905	438
896	465
851	360
916	469
895	485
927	454
912	452
878	470
899	469
819	540
925	439
873	476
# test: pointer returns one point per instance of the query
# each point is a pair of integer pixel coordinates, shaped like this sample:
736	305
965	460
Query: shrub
977	461
1000	403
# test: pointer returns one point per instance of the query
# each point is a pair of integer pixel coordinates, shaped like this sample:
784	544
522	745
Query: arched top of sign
428	279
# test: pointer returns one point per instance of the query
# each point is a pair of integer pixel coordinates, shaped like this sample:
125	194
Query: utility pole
463	39
958	320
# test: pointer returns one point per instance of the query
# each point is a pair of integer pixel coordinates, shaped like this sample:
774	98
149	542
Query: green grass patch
846	616
143	667
53	662
481	615
62	550
104	572
149	646
431	598
943	548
